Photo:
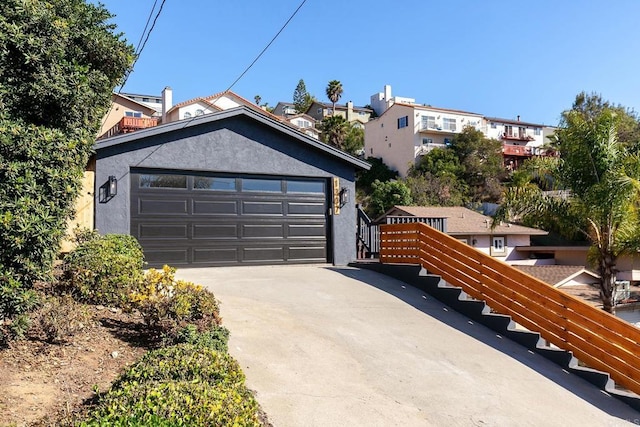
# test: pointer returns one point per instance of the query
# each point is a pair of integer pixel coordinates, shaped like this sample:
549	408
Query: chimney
387	92
167	102
350	111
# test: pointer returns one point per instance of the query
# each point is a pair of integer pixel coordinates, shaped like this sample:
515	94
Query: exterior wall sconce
344	196
112	187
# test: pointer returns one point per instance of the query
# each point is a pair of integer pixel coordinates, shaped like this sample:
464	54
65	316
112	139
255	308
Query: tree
600	174
302	99
481	161
334	92
433	190
387	194
59	63
334	131
354	140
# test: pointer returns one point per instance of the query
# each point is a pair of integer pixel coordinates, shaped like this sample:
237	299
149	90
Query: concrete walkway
325	346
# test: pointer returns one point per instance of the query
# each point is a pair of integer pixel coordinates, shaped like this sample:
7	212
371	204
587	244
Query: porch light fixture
112	187
344	196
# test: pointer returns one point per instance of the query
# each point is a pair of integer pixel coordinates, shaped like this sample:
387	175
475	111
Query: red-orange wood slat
597	338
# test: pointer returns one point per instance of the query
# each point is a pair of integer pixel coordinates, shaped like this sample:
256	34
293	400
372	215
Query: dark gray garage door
202	219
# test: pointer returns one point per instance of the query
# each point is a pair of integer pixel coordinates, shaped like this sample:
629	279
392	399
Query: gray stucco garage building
234	187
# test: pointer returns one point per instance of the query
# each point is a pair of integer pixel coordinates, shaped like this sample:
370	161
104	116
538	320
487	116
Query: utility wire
146	26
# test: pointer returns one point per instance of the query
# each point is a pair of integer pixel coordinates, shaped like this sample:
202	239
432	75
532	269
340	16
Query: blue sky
499	58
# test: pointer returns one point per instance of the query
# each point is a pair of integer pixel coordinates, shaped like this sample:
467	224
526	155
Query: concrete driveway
325	346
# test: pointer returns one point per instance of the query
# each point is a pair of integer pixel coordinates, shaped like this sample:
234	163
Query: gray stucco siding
238	145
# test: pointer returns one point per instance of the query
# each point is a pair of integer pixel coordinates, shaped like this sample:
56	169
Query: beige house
405	132
355	115
127	115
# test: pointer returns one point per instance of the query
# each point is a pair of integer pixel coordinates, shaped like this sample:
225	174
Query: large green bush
105	270
15	303
182	385
168	305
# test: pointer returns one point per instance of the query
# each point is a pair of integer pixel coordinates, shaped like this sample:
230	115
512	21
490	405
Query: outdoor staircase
503	325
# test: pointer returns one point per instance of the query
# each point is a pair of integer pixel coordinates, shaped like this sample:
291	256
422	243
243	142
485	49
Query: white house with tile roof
475	229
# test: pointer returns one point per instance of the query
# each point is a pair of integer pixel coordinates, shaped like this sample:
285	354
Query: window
428	122
508	130
493	125
498	245
199	112
427	141
162	181
319	111
214	183
537	131
187	115
264	185
449	124
303	123
133	113
447	141
145	99
305	186
403	122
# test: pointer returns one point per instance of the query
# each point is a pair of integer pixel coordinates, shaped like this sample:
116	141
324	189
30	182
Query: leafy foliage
334	130
354	140
59	63
433	190
60	318
15	303
600	176
182	385
378	171
334	92
169	305
387	194
105	270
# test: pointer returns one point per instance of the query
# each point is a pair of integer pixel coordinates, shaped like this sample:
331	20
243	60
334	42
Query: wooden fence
597	338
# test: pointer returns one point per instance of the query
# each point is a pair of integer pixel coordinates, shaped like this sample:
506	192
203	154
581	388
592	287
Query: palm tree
601	179
334	92
334	131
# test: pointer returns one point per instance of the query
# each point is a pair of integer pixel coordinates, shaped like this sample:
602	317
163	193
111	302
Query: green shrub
15	304
184	362
169	305
105	270
216	338
180	403
182	385
60	318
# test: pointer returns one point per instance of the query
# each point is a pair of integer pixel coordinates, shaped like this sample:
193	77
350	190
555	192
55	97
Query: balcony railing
130	124
517	150
516	137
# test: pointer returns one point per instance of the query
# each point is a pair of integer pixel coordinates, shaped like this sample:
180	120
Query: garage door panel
223	255
162	207
262	208
207	226
215	231
263	254
307	253
162	231
308	208
262	231
161	256
210	207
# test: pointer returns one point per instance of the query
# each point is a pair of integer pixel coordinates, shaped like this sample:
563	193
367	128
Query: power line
145	26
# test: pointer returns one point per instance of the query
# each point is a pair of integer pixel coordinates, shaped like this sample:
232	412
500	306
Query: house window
214	183
428	122
319	111
427	141
187	115
145	99
403	122
133	113
263	185
447	142
449	124
537	131
199	112
498	245
508	130
162	181
493	125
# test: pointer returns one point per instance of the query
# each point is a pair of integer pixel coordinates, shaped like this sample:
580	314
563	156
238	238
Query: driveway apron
339	346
